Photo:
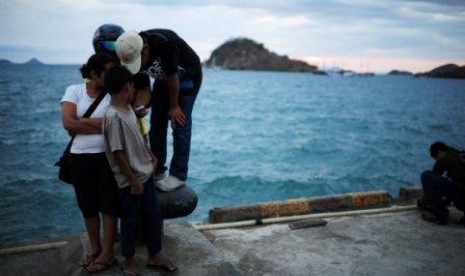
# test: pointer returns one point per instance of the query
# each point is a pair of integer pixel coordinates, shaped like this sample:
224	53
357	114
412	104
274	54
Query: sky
359	35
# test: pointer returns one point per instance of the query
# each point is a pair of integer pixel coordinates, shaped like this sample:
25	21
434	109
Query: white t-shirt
86	143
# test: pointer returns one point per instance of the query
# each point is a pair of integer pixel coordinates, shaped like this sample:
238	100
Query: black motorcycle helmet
105	37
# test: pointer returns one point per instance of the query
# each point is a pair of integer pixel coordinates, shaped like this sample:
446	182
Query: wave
41	210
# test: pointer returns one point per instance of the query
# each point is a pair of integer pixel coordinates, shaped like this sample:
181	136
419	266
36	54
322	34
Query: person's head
119	82
145	54
438	149
129	48
96	66
104	40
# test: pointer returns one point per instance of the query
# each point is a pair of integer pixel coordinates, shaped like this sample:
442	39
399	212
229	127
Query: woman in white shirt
95	187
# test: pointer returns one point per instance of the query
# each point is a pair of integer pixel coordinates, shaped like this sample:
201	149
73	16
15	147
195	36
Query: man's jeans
181	134
436	188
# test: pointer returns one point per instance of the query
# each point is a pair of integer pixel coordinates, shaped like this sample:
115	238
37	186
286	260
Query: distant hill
5	62
400	73
246	54
32	61
445	71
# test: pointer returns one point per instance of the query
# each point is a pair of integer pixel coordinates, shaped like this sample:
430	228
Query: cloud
430	13
60	31
455	3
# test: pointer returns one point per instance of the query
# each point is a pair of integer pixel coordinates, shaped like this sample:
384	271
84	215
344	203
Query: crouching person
132	163
439	190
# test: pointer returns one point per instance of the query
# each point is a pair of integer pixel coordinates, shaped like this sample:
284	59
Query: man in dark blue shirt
176	69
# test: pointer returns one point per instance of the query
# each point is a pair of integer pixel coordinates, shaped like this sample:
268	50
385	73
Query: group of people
115	166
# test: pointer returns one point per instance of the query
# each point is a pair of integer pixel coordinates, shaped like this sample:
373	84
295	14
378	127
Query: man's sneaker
159	176
169	183
428	216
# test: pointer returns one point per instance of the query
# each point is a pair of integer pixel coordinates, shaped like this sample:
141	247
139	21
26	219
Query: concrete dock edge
249	214
301	206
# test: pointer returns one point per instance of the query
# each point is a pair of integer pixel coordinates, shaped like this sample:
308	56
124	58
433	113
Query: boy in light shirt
132	163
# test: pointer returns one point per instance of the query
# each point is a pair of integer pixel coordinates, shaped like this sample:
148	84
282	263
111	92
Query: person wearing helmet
105	36
176	68
104	41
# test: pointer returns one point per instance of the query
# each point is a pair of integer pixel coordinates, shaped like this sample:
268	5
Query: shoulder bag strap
89	112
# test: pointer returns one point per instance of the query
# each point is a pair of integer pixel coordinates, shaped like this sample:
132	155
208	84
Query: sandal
102	266
166	266
87	259
129	272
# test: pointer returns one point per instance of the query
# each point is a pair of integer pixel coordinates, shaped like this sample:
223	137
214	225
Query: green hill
246	54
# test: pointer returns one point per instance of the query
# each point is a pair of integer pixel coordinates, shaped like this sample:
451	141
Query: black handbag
64	163
64	172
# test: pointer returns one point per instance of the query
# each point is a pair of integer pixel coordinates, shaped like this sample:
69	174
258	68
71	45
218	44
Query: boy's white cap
128	48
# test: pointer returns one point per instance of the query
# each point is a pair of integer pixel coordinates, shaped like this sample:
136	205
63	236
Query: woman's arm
72	124
94	122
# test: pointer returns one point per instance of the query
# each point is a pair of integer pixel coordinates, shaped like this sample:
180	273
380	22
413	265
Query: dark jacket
452	165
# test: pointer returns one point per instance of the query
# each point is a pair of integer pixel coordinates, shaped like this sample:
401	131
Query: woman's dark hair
438	146
96	63
116	78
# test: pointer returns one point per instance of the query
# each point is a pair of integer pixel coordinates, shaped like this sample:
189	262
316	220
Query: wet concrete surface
398	243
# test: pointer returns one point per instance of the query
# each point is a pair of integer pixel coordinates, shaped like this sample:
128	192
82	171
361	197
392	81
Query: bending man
176	68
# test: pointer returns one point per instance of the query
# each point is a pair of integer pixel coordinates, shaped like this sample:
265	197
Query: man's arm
142	101
120	159
175	112
143	97
441	165
143	94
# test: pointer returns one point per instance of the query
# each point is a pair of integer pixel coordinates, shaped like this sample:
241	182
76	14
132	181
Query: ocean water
257	136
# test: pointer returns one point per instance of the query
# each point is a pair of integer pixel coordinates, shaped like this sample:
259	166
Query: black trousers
436	188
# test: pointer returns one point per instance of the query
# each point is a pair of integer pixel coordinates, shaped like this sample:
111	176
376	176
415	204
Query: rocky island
451	71
246	54
400	73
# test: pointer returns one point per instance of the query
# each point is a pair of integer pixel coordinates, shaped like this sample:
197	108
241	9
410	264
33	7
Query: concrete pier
192	253
398	244
379	241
